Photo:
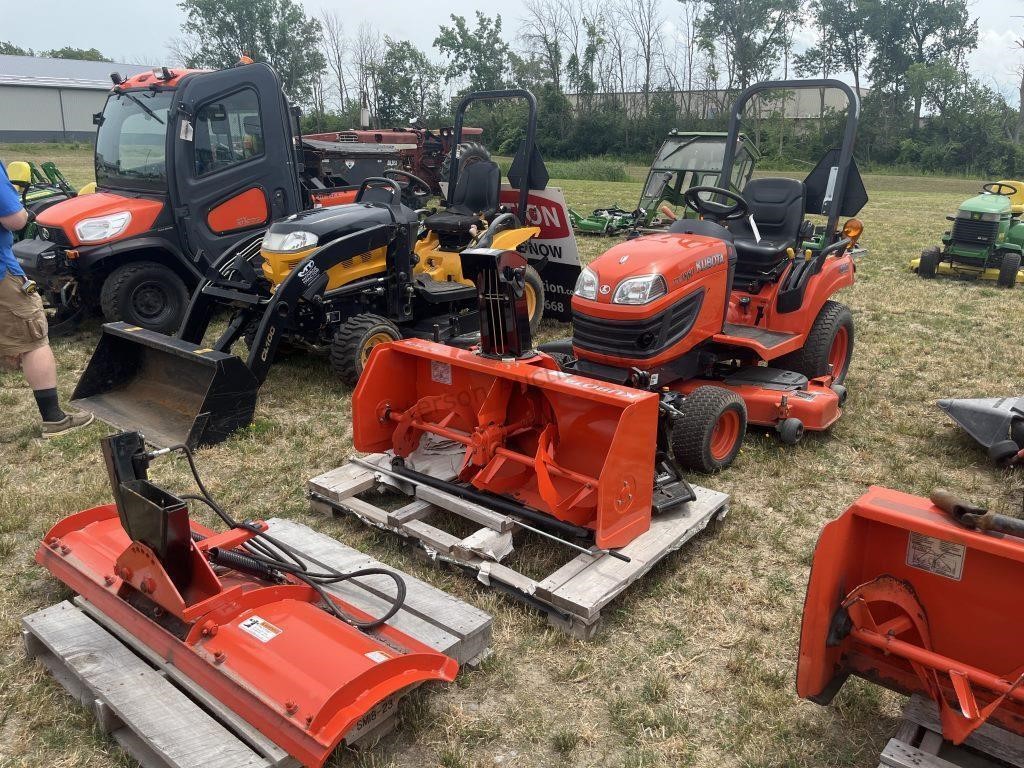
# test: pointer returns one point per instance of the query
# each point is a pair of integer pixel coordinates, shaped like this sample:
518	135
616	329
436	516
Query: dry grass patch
696	664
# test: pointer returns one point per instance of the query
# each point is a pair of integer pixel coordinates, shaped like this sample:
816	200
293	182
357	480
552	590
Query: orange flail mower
235	612
903	593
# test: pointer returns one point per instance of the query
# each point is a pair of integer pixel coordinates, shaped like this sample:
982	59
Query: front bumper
40	259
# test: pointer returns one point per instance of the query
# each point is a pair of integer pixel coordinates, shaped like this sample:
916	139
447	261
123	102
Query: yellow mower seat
1016	199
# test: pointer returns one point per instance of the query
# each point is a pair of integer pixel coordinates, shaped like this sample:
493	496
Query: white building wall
47	113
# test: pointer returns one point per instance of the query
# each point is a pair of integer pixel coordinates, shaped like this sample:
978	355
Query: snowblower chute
997	423
578	449
263	638
904	594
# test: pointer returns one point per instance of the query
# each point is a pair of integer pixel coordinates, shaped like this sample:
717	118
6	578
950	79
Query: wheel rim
531	301
149	301
373	341
724	435
838	352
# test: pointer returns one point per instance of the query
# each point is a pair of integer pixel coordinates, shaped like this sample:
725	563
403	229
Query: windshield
700	154
131	139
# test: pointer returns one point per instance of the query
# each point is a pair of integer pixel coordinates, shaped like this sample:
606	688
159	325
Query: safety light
288	242
586	284
853	229
640	290
102	227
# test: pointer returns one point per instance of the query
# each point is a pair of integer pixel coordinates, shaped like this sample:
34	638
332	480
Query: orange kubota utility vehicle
245	617
733	310
919	596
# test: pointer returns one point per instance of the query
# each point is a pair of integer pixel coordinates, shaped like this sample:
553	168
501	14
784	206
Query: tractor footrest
438	292
477	540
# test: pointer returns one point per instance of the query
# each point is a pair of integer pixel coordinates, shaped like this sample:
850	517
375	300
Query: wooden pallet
918	743
572	596
164	720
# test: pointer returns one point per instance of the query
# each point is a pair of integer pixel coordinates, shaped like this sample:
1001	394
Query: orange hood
68	213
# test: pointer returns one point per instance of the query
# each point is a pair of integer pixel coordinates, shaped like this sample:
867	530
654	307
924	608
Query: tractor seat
777	206
1017	199
475	198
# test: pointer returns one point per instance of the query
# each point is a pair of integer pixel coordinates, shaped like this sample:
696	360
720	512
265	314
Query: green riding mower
605	221
40	187
985	241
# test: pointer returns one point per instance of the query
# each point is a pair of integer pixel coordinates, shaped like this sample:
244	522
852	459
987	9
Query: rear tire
710	431
535	284
1008	270
929	263
829	346
146	294
353	342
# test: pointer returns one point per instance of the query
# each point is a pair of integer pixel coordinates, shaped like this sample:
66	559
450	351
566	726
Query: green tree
275	31
10	49
479	56
81	54
841	43
407	84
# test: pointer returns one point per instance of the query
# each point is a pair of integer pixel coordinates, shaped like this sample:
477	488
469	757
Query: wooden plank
475	512
436	618
431	536
596	585
989	739
414	510
246	732
177	731
365	509
899	755
345	481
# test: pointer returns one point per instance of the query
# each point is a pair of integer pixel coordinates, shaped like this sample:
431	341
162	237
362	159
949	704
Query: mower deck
964	271
573	595
163	717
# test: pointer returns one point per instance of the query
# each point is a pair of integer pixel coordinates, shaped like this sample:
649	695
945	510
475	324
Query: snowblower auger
580	450
904	594
258	634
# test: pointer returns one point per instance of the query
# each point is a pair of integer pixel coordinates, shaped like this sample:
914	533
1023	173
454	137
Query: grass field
696	664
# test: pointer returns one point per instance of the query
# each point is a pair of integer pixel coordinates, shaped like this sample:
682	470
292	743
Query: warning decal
260	628
440	373
943	558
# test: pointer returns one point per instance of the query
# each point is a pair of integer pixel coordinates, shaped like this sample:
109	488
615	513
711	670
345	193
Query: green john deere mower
985	241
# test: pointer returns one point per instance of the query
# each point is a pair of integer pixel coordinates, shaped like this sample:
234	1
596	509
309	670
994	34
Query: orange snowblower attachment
577	449
272	645
903	595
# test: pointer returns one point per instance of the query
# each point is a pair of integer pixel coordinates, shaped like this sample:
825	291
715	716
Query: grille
637	339
348	137
975	232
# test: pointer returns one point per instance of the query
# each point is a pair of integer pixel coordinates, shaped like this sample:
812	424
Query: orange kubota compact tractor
702	308
920	597
668	331
244	616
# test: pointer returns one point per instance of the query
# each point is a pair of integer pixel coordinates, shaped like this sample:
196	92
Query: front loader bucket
574	448
989	420
901	595
172	391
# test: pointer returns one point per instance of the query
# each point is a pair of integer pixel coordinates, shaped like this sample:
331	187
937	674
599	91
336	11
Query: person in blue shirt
23	332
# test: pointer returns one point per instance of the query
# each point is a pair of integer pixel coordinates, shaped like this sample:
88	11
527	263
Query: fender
89	259
511	239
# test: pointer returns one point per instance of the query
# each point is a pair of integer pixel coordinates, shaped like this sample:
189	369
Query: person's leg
40	368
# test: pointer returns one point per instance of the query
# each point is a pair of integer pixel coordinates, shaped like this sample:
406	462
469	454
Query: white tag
260	628
186	131
754	229
440	373
943	558
377	656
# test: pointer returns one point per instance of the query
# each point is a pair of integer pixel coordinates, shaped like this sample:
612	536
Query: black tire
353	341
693	431
471	153
145	294
812	359
929	263
791	430
1008	270
534	281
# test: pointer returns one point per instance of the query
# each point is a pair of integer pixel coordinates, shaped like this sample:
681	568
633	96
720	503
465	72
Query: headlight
639	290
285	242
586	284
102	227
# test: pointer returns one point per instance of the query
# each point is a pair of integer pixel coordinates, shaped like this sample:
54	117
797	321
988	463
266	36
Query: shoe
71	421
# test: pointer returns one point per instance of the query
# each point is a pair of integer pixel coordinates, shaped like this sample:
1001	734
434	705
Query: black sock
46	399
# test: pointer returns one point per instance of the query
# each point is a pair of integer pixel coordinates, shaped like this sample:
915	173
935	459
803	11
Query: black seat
777	206
475	198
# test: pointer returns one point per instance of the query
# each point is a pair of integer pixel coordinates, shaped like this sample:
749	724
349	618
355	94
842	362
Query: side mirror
20	174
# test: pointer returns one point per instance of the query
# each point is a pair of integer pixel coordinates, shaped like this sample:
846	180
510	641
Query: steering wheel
415	190
997	187
713	210
500	223
378	184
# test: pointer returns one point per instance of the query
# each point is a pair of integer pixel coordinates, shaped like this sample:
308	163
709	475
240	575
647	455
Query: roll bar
531	135
849	135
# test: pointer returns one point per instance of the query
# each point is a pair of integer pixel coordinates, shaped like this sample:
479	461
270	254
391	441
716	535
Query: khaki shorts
22	319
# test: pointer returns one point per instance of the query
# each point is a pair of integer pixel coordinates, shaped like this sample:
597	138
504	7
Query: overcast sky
138	33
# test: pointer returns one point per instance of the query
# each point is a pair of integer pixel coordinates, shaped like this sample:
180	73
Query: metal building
53	99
